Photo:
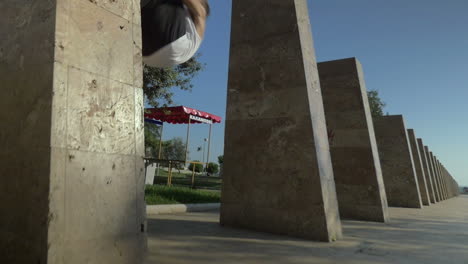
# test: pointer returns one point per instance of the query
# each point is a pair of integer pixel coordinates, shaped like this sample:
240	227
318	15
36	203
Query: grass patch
157	194
200	182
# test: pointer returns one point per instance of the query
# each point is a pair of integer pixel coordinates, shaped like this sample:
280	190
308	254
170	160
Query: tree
212	168
376	104
173	149
198	166
221	164
152	137
158	83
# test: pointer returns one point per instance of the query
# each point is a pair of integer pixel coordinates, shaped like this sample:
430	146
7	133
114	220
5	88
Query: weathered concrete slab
277	173
427	171
434	175
356	165
423	188
401	183
72	140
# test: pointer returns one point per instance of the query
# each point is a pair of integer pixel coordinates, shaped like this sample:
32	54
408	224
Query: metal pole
187	141
204	147
209	145
160	149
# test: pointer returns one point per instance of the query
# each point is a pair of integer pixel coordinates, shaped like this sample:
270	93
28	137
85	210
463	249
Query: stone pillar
418	165
446	181
439	181
427	171
448	184
72	133
278	175
442	179
401	183
434	175
355	158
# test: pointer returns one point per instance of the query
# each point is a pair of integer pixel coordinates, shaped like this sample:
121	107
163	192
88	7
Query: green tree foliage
376	104
198	167
221	159
173	149
158	83
212	168
158	86
152	137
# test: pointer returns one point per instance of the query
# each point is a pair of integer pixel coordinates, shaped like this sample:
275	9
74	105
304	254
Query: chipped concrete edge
180	208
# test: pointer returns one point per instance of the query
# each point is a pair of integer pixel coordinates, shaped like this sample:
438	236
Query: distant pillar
423	187
439	180
442	179
277	175
356	164
401	183
427	171
434	175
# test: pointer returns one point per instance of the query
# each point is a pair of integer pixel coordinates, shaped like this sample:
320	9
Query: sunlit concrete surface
436	234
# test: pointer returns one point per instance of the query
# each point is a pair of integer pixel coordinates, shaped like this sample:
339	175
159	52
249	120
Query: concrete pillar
401	183
418	165
72	133
442	179
439	180
278	175
448	182
435	176
355	158
427	171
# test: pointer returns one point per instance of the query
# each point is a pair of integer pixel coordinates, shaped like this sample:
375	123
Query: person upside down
172	30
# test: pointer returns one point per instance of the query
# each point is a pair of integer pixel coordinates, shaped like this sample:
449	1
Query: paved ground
436	234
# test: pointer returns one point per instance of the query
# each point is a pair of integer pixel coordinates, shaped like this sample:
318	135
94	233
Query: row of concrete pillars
311	153
72	136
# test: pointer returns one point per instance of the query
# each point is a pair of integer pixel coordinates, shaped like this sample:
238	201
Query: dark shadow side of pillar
427	171
356	165
278	175
418	165
401	183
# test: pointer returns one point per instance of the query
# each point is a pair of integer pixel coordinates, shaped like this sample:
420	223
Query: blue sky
414	52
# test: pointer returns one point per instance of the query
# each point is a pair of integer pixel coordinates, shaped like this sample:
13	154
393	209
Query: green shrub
212	168
198	167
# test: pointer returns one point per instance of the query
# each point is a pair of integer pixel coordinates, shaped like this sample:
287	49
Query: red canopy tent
182	115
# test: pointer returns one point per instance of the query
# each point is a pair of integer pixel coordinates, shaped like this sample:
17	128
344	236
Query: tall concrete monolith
437	173
72	185
355	158
396	158
441	178
434	174
277	175
427	171
447	182
418	165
